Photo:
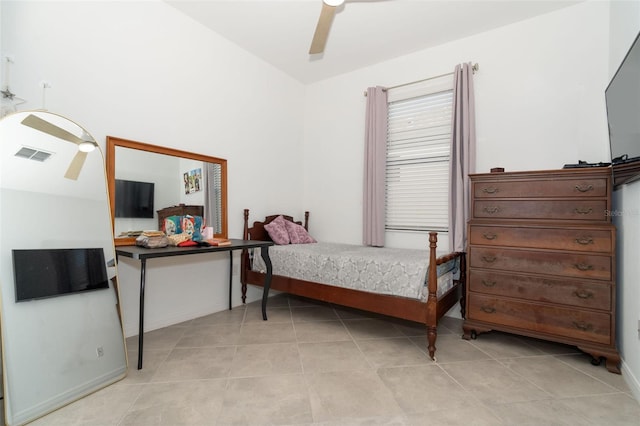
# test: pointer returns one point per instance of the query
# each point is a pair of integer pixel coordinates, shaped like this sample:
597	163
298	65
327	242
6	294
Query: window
418	150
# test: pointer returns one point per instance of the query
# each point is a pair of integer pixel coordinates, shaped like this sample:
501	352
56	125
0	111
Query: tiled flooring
324	365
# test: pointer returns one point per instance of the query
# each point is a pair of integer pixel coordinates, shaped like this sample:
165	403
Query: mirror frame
113	142
86	346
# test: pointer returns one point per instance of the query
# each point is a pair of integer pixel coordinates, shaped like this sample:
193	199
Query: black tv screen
134	199
42	273
623	108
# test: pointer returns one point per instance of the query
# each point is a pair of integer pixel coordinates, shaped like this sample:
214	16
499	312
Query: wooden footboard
427	313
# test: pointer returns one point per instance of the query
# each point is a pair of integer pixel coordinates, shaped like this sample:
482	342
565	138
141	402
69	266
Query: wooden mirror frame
113	142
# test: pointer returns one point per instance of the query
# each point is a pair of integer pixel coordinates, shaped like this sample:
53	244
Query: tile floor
315	364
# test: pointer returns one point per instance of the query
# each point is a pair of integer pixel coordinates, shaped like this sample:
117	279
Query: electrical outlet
100	351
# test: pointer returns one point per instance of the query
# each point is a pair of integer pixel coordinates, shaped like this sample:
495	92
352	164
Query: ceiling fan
327	13
85	143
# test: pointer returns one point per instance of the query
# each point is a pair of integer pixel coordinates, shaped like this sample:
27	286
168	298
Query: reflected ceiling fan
327	13
85	143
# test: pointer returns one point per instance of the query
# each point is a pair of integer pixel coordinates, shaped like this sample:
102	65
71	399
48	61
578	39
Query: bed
427	307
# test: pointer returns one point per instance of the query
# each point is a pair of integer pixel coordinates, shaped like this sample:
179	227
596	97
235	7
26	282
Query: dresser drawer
567	322
593	187
577	239
582	294
541	262
580	210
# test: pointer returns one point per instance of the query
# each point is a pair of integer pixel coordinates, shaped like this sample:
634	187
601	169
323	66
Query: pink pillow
297	234
277	230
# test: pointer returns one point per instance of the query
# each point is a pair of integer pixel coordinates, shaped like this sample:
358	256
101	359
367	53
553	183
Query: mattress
390	271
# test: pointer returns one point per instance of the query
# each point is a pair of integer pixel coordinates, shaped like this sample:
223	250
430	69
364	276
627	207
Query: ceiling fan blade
44	126
322	29
76	166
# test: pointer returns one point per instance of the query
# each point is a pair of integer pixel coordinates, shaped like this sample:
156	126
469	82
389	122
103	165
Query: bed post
306	220
432	299
463	283
244	258
245	233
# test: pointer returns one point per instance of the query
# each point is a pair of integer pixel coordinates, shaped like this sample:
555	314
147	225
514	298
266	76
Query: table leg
143	268
264	252
230	275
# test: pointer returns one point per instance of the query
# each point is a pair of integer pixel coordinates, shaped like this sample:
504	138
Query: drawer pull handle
492	209
584	240
582	326
583	210
489	259
488	309
584	188
584	267
489	235
490	190
583	294
488	283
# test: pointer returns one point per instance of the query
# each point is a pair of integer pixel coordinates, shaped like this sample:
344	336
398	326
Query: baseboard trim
131	326
631	380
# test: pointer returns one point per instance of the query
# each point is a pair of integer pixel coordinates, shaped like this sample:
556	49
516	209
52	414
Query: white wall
625	25
143	71
539	100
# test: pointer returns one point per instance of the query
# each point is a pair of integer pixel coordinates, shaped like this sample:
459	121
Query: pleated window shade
418	150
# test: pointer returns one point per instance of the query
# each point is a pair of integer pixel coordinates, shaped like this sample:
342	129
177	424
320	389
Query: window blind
213	196
418	150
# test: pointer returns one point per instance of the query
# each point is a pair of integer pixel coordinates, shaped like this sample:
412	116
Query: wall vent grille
33	154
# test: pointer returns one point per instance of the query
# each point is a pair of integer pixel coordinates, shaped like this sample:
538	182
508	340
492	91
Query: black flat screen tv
623	109
134	199
43	273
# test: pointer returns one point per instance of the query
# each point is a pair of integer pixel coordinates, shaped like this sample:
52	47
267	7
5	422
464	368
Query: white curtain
463	155
374	167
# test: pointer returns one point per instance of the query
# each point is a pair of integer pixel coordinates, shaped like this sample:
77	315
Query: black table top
140	253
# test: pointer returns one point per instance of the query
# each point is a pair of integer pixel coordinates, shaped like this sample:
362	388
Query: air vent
33	154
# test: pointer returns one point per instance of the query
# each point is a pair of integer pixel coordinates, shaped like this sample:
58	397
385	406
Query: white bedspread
398	272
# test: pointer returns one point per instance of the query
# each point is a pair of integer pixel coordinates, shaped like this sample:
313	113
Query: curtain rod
474	68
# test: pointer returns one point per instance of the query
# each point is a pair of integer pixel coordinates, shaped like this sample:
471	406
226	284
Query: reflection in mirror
62	335
146	179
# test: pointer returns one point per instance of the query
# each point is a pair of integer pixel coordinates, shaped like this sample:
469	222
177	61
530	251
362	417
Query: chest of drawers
541	258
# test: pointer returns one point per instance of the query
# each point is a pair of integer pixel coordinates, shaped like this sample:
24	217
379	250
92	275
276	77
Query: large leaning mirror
62	335
148	182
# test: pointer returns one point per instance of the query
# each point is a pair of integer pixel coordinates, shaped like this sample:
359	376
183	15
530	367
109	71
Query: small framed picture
192	181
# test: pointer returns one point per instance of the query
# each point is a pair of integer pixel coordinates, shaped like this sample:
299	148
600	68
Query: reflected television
134	199
44	273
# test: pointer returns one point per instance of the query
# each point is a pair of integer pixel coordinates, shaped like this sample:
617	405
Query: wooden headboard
257	231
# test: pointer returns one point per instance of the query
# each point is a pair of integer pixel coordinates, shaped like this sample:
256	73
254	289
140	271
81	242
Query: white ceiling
364	32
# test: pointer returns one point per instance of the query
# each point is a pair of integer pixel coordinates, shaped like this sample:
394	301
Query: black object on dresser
541	258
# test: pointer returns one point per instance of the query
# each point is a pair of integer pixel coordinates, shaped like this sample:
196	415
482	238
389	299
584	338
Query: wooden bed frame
427	313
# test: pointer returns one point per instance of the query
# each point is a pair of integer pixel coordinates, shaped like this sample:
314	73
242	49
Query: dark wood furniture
542	258
142	254
427	313
179	210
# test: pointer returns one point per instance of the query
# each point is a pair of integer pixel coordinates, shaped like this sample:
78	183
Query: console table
142	254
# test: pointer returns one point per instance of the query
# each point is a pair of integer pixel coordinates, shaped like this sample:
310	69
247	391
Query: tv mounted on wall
43	273
134	199
623	114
